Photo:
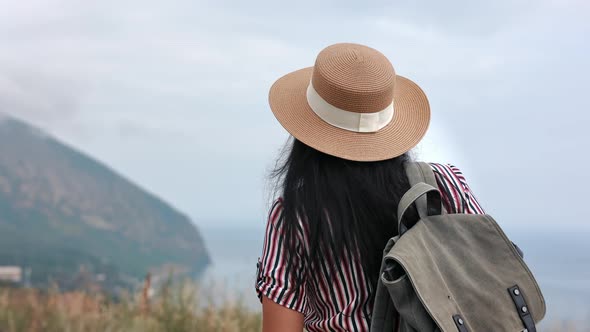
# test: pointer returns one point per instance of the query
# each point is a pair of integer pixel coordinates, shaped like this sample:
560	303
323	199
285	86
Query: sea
559	259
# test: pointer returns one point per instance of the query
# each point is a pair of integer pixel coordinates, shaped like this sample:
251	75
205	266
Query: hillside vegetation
68	217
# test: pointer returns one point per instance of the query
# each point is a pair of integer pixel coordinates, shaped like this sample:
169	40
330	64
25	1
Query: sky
173	94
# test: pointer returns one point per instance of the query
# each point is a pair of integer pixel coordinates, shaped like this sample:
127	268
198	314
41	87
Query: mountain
62	212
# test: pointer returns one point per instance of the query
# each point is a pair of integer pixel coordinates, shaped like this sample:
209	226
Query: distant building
11	274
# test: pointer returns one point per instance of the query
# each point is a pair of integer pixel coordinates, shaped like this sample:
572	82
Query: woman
353	121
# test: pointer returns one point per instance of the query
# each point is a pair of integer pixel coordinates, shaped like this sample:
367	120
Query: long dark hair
348	207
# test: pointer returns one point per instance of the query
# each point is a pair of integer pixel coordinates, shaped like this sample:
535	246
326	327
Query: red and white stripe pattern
343	303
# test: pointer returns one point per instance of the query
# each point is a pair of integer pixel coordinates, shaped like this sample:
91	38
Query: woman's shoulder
449	173
457	194
274	214
275	220
445	168
276	208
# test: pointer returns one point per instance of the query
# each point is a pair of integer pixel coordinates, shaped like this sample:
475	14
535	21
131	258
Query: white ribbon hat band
352	121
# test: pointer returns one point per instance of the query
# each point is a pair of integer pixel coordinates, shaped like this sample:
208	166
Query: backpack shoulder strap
418	172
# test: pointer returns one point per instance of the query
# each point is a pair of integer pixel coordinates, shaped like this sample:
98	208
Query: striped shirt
343	303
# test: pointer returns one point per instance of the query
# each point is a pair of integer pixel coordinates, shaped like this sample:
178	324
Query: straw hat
352	105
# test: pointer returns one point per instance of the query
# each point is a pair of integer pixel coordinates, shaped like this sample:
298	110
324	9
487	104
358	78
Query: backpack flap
466	273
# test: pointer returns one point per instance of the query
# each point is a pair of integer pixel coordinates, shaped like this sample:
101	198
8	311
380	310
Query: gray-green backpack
452	272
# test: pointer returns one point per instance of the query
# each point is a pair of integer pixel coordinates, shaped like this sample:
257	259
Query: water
234	253
560	262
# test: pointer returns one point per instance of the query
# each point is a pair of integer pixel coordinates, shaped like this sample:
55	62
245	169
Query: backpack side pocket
413	315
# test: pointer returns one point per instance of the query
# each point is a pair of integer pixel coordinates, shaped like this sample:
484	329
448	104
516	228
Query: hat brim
410	121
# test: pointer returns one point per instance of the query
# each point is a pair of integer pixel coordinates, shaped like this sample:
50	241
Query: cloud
180	88
38	96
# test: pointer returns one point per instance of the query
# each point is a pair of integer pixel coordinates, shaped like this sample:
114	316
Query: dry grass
180	308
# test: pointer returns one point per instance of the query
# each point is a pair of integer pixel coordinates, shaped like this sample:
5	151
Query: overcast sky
173	94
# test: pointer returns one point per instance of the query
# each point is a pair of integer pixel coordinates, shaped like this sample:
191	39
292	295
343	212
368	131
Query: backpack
451	272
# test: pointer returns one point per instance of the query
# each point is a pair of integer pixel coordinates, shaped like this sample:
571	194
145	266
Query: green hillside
61	211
